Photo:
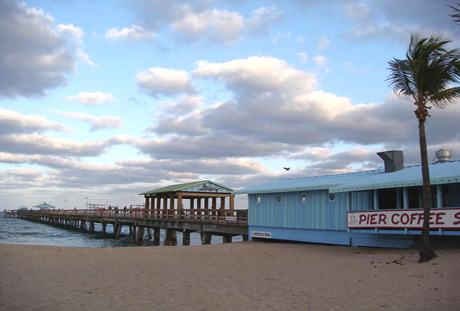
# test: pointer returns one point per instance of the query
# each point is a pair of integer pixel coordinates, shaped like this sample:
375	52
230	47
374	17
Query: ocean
20	231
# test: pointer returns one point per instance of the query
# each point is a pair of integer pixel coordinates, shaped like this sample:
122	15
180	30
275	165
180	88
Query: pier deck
208	222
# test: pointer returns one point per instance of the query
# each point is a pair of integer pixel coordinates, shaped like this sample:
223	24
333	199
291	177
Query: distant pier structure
208	210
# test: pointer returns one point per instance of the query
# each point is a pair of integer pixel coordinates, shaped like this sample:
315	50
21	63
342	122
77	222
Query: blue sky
107	99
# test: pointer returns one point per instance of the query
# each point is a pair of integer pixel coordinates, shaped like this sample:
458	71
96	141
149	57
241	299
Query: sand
237	276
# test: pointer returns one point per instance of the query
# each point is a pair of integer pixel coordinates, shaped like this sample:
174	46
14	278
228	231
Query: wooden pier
207	222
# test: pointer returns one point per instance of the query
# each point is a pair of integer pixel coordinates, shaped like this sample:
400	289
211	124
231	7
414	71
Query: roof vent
393	159
443	155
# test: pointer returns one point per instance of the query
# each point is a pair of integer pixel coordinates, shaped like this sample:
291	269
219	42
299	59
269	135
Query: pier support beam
118	232
186	238
149	233
227	238
156	236
206	238
170	237
140	235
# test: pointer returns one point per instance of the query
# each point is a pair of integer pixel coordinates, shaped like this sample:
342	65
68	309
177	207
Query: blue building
379	208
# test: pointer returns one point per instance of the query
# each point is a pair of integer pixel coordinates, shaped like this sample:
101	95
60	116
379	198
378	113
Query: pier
144	222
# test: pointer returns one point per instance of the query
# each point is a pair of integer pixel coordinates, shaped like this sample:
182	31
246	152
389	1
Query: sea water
21	231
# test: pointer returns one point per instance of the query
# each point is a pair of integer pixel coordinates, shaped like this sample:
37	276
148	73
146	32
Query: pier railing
216	216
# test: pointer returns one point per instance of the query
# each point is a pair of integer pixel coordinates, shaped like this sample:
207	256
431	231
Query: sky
101	100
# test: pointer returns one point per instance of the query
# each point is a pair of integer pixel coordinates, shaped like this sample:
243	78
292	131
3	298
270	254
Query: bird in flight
287	168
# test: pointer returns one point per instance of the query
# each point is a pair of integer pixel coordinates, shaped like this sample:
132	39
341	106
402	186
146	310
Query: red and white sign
411	219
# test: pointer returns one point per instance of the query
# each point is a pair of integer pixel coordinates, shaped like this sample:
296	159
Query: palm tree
426	77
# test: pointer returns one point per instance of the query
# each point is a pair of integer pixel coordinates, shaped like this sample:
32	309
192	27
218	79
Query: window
303	198
415	197
331	197
258	199
278	198
388	198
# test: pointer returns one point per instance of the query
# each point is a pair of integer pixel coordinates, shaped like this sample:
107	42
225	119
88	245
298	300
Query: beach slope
236	276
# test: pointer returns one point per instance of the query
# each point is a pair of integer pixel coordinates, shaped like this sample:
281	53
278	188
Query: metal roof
44	206
440	173
190	187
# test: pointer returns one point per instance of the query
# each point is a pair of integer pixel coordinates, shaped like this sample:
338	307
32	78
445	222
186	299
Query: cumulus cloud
218	26
96	123
44	144
14	122
161	81
202	21
34	55
277	110
257	75
135	33
92	98
76	34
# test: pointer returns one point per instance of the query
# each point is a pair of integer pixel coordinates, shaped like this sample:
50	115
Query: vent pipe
393	160
443	155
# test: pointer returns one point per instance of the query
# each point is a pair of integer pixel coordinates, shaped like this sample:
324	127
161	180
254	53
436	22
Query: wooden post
134	233
118	232
232	202
214	206
147	207
168	237
192	207
179	206
147	202
165	203
158	204
206	238
227	238
156	236
186	237
149	233
140	235
222	203
198	206
104	227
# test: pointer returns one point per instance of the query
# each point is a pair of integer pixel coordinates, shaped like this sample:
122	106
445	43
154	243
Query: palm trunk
426	250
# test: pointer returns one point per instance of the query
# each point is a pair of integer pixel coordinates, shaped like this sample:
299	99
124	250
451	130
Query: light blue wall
318	212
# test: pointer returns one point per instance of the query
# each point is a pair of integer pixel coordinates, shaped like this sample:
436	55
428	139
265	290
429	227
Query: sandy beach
236	276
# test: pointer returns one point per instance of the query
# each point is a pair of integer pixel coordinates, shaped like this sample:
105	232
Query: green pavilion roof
197	186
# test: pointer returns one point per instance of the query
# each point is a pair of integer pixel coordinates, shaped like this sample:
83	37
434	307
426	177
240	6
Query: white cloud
92	98
257	74
321	61
162	81
14	122
34	55
135	33
76	34
96	123
47	145
262	18
218	26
